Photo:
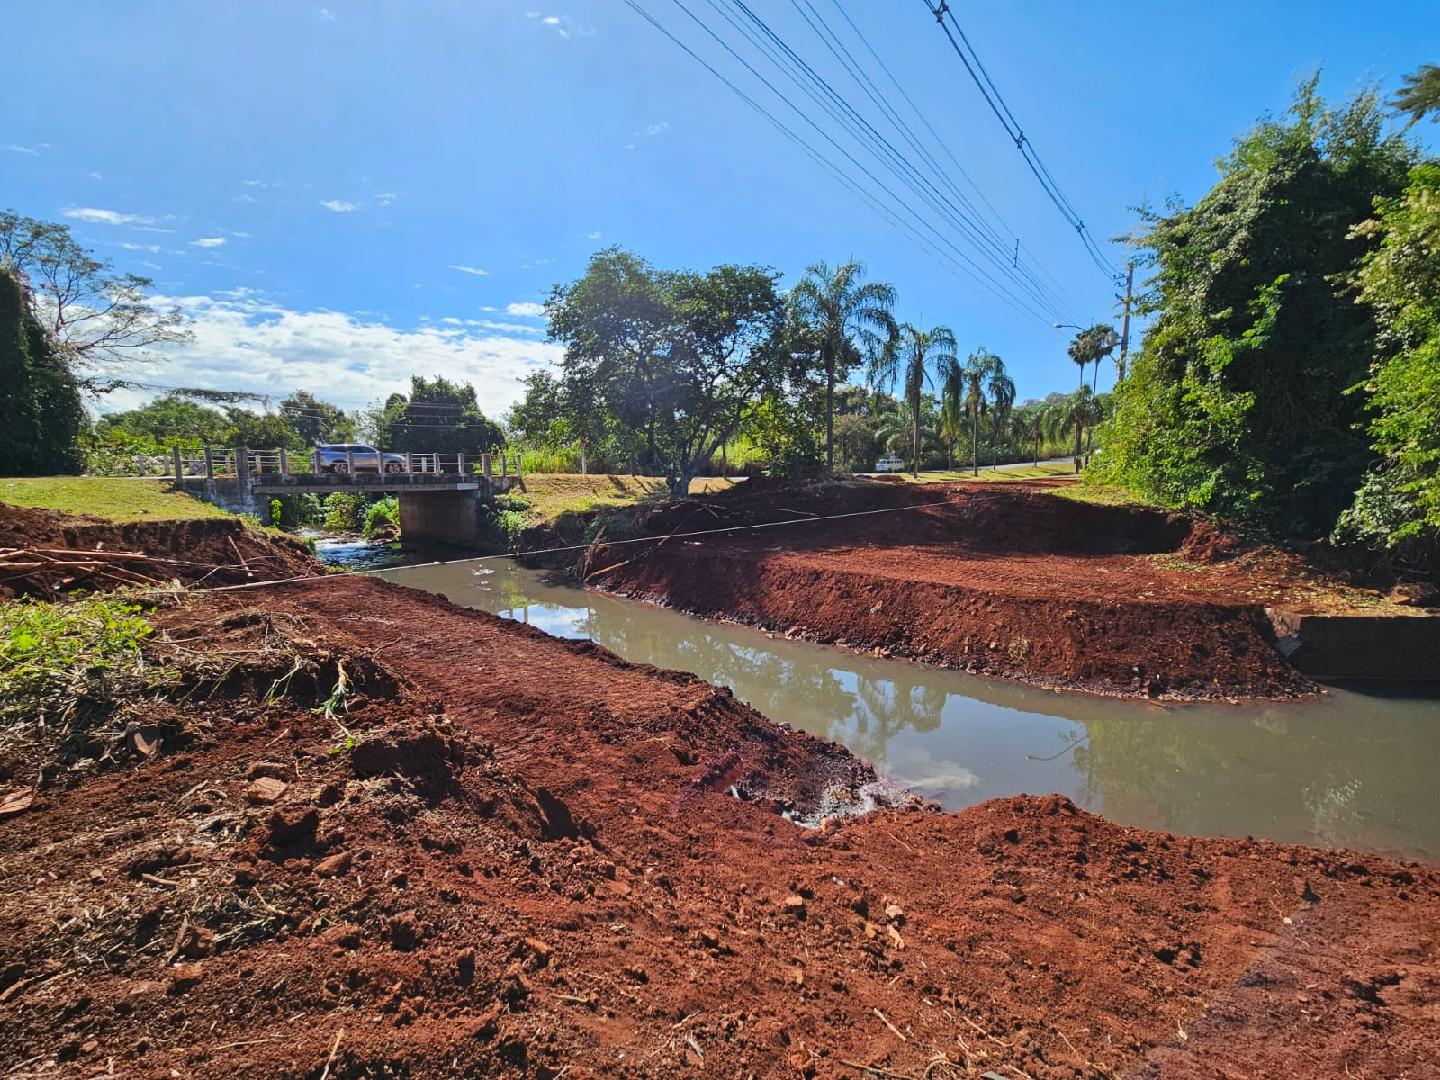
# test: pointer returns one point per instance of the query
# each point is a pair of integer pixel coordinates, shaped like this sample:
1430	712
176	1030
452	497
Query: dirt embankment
516	856
995	579
202	551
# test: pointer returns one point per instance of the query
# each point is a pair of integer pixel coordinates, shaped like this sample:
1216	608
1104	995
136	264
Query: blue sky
342	194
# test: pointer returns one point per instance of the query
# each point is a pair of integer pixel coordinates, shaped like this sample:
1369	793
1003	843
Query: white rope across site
576	547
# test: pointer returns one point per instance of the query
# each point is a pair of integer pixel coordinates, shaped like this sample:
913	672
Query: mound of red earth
201	551
997	579
517	856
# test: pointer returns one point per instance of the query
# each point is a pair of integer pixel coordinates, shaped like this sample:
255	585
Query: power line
976	69
898	164
840	174
944	146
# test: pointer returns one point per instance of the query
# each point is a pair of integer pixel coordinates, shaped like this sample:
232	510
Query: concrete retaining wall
1392	647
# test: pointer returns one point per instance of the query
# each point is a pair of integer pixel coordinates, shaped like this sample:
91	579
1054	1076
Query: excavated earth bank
997	579
518	856
204	551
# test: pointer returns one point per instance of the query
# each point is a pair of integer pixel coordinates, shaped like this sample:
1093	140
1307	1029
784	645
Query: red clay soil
996	579
206	551
526	857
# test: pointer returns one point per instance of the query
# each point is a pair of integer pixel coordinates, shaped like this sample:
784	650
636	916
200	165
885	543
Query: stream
1350	769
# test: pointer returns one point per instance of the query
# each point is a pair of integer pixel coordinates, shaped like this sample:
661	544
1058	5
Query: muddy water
1351	770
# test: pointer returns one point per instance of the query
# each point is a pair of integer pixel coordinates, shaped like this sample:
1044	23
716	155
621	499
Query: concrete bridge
443	497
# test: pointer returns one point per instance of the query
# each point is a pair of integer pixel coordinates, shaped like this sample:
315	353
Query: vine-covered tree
1398	507
1237	402
40	411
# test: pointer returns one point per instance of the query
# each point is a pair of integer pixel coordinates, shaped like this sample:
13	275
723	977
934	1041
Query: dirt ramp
998	581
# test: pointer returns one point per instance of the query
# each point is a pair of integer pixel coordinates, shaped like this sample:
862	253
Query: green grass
114	498
552	495
988	475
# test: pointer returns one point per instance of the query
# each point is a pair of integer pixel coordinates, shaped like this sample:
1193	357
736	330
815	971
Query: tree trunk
1037	449
830	415
975	442
584	464
915	445
1077	445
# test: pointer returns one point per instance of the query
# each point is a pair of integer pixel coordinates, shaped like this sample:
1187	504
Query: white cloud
657	128
243	197
527	309
593	235
106	217
339	206
629	146
131	246
561	24
209	242
94	176
328	15
244	342
33	151
385	198
473	270
504	327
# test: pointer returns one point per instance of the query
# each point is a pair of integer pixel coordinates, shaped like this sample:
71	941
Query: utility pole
1125	319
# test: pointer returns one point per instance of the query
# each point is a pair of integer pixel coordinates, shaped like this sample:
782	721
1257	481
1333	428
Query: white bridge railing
215	462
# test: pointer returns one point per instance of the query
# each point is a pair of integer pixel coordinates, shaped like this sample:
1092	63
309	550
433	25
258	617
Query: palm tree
1080	412
847	320
909	356
1094	345
968	387
1420	96
1002	401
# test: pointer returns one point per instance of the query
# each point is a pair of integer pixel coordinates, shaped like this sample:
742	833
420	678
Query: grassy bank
552	495
113	498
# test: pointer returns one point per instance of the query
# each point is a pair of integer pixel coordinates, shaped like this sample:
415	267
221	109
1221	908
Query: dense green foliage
1239	401
437	416
1399	505
666	362
40	411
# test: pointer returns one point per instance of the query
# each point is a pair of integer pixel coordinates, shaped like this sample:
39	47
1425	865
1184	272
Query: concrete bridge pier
443	517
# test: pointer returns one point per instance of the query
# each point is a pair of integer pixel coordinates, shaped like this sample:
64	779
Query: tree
844	320
1090	346
40	411
1002	402
1420	96
438	416
910	355
263	431
1080	413
1238	400
169	421
1398	506
971	383
317	422
97	316
677	355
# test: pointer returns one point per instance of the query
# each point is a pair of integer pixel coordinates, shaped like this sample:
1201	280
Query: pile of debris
45	571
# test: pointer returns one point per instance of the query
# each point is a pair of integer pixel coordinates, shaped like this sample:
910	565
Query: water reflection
1345	771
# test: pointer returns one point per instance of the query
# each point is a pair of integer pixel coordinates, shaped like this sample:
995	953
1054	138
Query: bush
382	520
345	511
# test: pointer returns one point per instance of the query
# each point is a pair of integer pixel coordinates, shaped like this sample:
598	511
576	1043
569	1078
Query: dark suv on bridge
336	458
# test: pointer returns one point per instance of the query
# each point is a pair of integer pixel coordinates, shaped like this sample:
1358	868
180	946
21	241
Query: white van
892	463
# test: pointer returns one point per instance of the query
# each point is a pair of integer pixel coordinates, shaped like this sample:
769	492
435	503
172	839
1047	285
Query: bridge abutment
443	517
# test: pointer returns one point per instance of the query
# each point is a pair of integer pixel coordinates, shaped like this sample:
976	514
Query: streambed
1350	769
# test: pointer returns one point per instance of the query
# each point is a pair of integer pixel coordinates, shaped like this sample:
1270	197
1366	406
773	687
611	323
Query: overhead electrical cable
1004	239
960	265
898	164
976	69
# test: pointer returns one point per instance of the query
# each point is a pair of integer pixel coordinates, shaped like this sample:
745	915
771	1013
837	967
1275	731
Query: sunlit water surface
1350	770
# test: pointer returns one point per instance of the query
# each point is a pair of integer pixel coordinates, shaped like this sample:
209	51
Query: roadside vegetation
1290	380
